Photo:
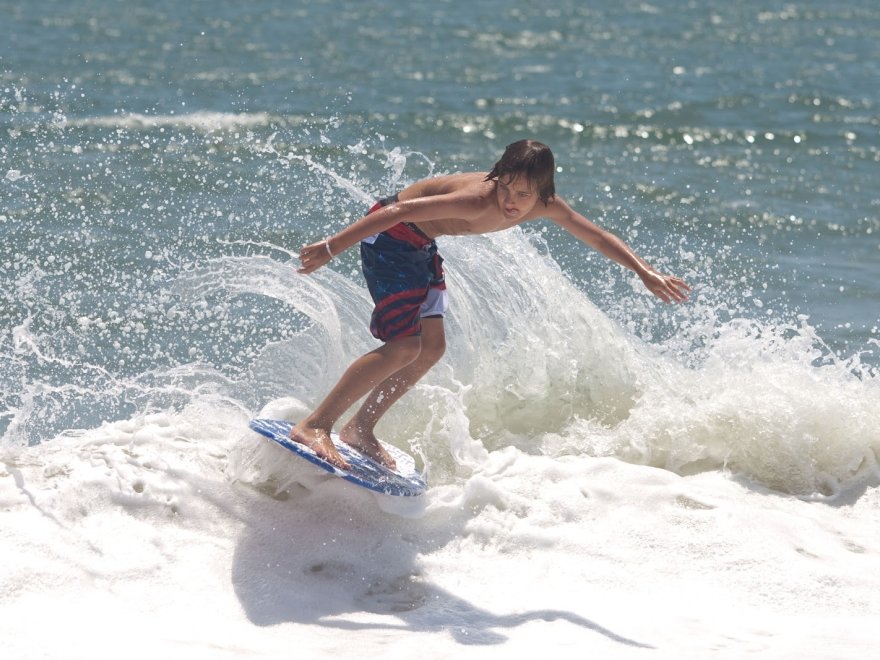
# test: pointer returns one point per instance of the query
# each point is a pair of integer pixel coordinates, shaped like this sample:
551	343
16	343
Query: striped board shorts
404	274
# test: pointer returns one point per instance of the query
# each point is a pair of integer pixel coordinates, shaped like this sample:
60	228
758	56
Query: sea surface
161	164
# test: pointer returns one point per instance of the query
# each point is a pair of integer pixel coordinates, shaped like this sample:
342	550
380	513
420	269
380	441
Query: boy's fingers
312	258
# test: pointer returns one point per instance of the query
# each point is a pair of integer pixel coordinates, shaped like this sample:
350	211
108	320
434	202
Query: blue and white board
406	481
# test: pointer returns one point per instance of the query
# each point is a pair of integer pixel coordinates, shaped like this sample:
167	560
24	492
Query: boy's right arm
315	255
423	209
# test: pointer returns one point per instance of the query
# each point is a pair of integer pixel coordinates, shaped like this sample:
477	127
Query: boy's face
516	196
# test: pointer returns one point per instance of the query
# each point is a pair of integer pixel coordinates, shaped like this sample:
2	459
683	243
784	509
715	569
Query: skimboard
405	481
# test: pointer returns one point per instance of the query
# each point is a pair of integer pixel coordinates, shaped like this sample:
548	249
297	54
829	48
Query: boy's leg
362	376
358	432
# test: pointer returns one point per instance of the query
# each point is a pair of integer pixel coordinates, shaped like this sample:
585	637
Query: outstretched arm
424	209
665	287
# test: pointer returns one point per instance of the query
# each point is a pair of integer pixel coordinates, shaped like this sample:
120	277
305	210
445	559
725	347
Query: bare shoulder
461	186
555	209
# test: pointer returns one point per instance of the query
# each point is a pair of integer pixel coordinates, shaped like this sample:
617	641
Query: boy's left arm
665	287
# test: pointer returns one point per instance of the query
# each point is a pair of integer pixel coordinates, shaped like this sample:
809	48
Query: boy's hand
313	257
666	287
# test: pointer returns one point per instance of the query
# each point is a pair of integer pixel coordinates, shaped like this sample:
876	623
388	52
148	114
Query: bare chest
481	224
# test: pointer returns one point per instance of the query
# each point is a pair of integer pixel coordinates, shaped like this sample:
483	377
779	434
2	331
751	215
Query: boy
405	277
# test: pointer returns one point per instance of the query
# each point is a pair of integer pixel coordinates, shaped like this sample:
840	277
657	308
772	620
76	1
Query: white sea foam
137	525
202	121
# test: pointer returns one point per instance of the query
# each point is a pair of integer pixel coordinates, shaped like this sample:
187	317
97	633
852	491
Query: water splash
151	268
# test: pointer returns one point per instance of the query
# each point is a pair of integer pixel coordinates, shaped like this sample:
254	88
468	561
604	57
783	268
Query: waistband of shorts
408	232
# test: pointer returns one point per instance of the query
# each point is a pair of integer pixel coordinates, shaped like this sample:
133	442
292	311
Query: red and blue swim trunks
404	274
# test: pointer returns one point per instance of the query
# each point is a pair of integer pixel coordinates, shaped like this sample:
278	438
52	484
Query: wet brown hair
531	159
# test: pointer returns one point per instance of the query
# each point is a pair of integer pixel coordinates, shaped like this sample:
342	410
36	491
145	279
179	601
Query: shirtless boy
405	278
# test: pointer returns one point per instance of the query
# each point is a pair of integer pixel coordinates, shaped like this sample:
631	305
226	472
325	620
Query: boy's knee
433	349
406	349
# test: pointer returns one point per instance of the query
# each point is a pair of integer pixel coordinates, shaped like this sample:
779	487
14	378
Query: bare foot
318	440
367	444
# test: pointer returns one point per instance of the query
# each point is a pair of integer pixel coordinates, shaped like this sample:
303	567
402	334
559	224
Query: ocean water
619	475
